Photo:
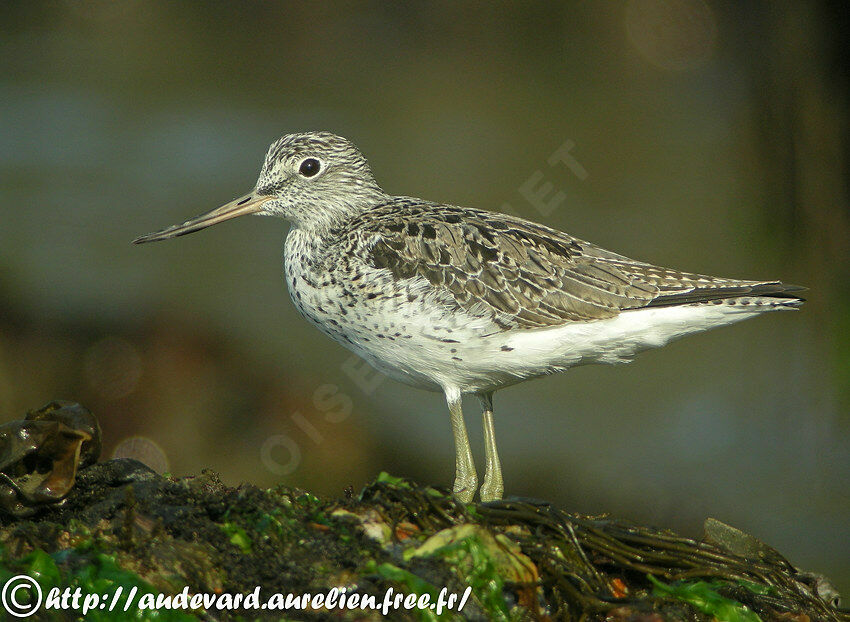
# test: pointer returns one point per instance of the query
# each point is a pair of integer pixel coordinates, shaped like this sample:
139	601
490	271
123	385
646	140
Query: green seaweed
703	596
481	561
413	584
93	573
392	480
238	536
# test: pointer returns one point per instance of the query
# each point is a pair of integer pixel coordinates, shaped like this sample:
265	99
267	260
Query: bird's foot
465	487
492	489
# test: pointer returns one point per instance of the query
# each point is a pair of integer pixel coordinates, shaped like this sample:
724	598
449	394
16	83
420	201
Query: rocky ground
123	525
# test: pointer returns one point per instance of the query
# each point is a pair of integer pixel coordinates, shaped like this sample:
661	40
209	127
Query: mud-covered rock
124	525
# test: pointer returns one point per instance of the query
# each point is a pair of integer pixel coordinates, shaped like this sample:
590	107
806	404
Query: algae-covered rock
124	526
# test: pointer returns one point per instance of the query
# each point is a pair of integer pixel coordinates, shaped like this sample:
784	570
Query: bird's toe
464	489
491	491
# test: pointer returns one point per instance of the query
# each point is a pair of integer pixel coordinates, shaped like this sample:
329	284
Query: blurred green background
710	137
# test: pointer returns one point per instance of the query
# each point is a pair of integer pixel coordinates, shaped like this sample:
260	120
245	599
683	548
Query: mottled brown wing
528	275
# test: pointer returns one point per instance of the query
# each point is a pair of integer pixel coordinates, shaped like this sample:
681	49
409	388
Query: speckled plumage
464	300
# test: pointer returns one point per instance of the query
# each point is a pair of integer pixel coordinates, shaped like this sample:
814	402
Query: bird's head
315	180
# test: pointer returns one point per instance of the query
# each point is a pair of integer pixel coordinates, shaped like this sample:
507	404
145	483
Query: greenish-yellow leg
493	486
466	479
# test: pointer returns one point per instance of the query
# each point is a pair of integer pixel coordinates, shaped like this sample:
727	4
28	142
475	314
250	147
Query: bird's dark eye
309	167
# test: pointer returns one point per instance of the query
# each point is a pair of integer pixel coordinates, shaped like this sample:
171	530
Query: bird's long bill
249	204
